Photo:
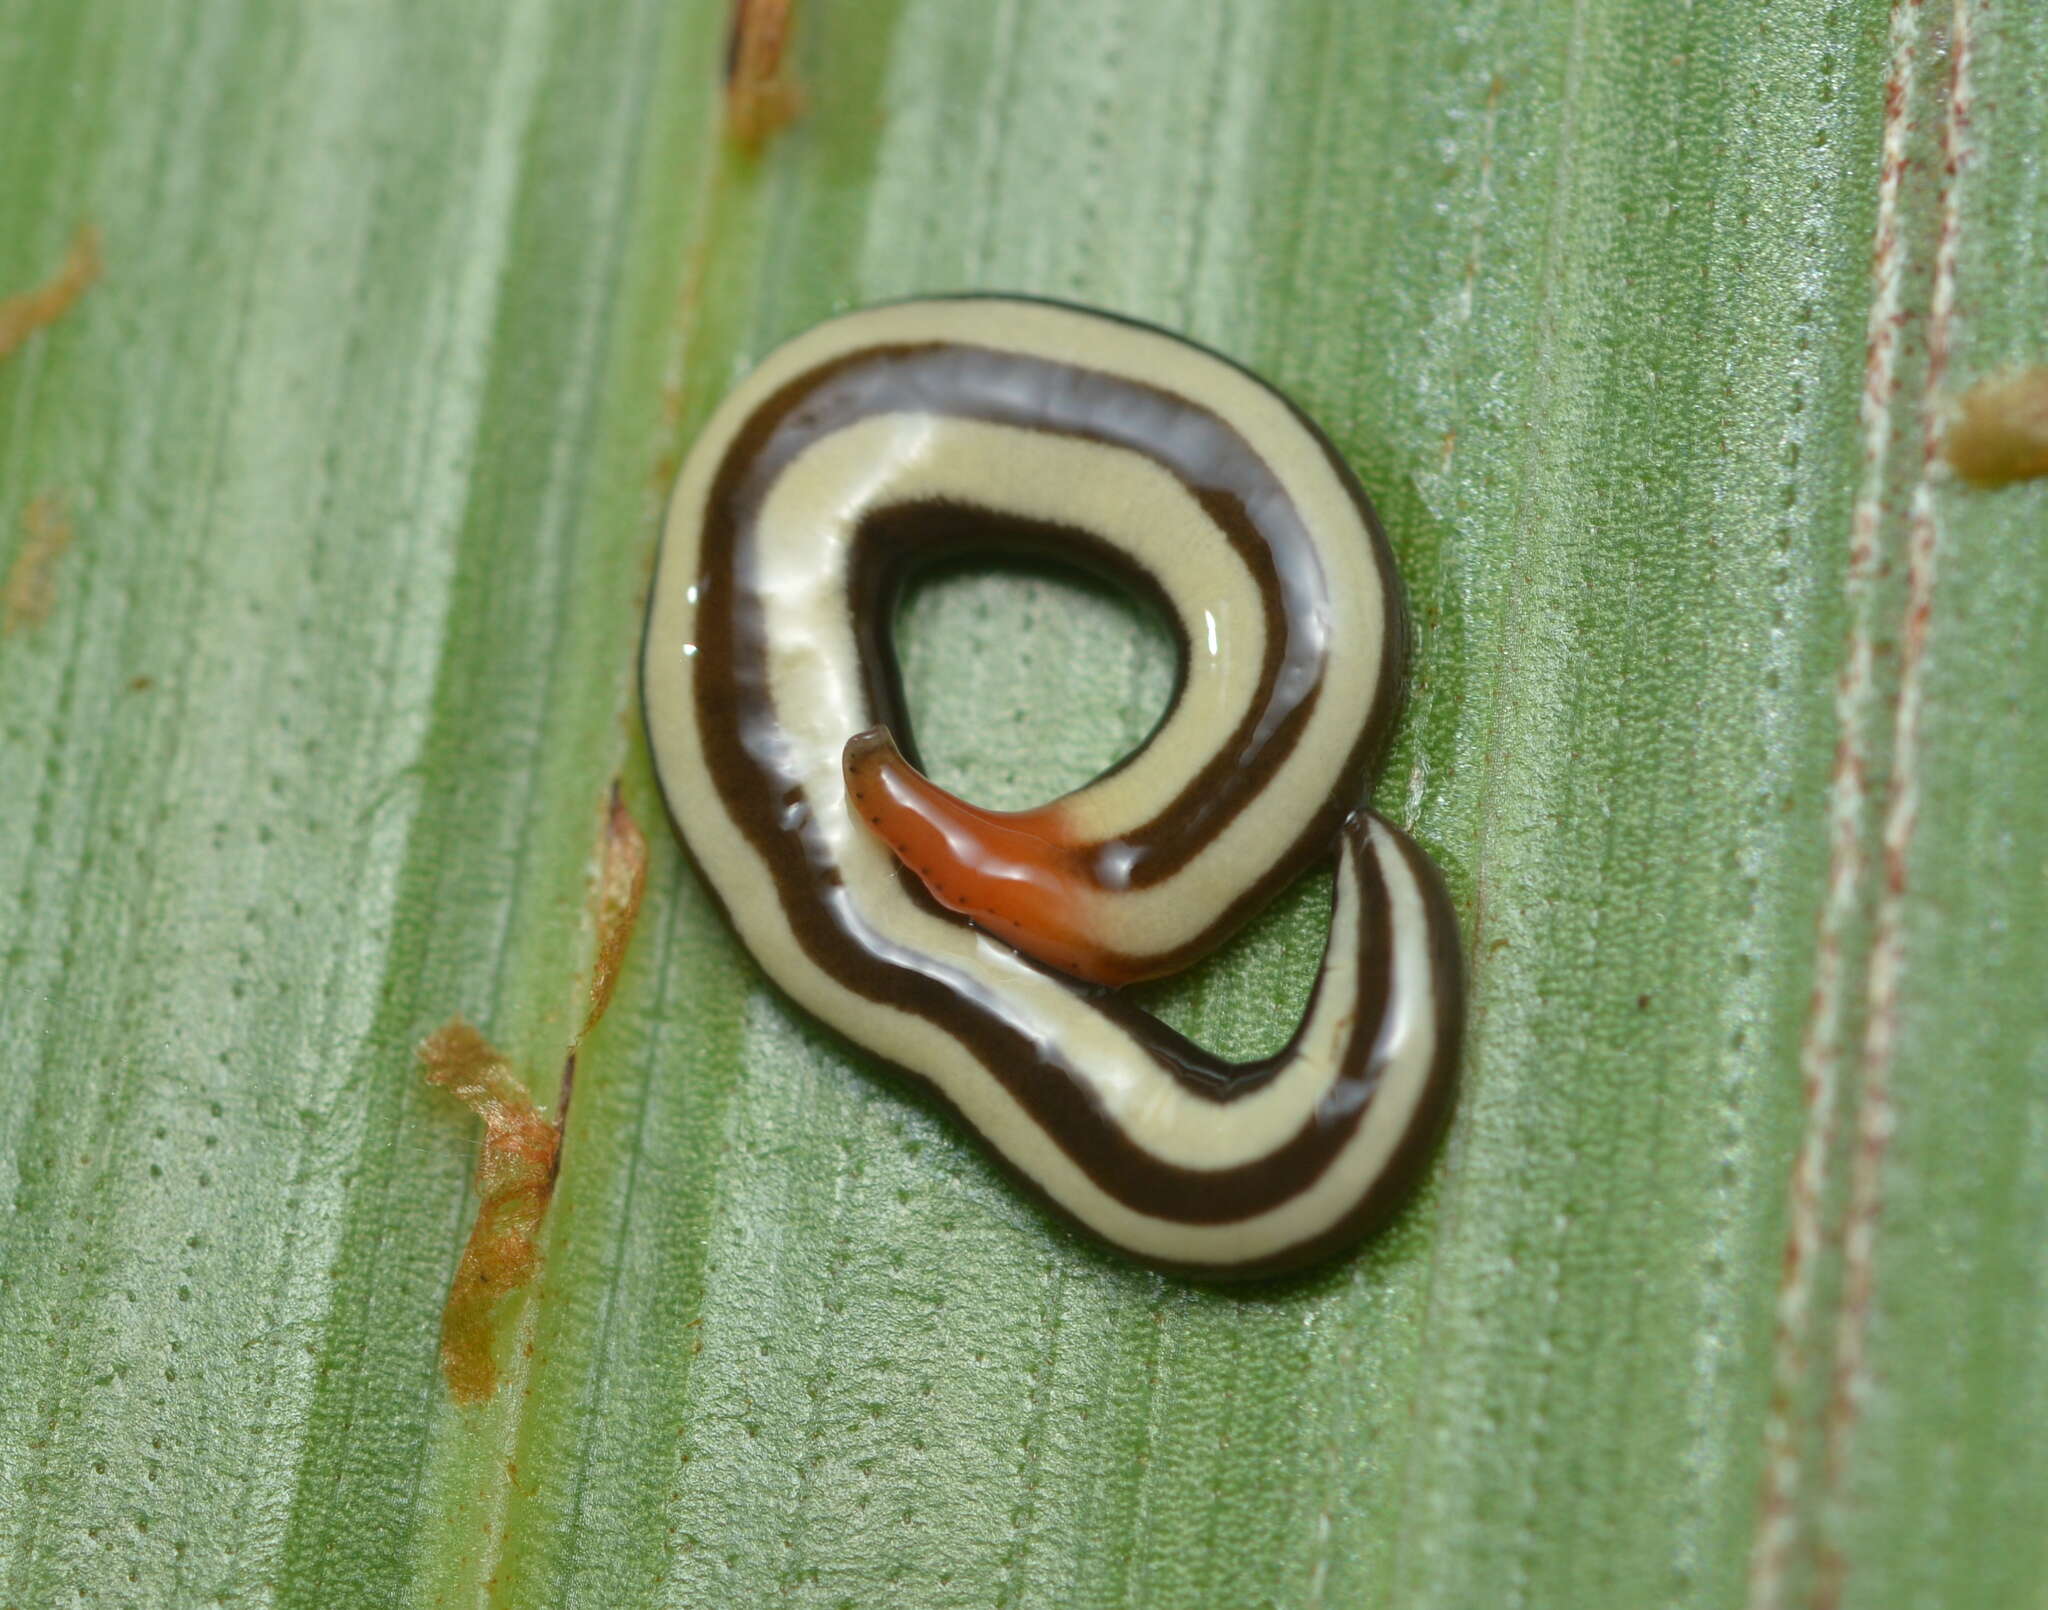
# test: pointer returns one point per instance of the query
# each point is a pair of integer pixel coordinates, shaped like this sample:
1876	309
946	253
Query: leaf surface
1727	1287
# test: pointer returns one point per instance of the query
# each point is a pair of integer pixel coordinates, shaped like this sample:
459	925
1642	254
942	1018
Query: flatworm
895	437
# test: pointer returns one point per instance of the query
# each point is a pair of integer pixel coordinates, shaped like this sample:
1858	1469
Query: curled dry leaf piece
22	315
31	590
759	96
515	1177
1998	431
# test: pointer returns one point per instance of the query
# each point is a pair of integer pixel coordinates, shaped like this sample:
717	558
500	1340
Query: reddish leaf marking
24	314
31	590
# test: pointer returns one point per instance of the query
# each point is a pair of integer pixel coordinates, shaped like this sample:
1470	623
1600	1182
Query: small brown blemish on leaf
621	883
760	97
515	1176
31	590
23	314
1997	431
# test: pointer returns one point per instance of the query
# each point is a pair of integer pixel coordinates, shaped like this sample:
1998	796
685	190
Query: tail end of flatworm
1017	874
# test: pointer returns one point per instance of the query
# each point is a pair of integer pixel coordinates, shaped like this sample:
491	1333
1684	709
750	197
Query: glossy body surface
959	943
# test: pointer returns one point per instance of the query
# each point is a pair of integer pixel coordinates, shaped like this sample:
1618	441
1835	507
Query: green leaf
1727	1287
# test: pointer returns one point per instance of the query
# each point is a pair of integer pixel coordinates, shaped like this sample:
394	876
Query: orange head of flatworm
1022	875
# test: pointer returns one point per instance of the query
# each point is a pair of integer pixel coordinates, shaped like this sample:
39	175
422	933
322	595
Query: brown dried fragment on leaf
23	314
1997	431
760	97
31	589
515	1177
621	882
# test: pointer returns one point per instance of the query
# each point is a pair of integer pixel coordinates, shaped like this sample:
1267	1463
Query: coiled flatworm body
971	947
